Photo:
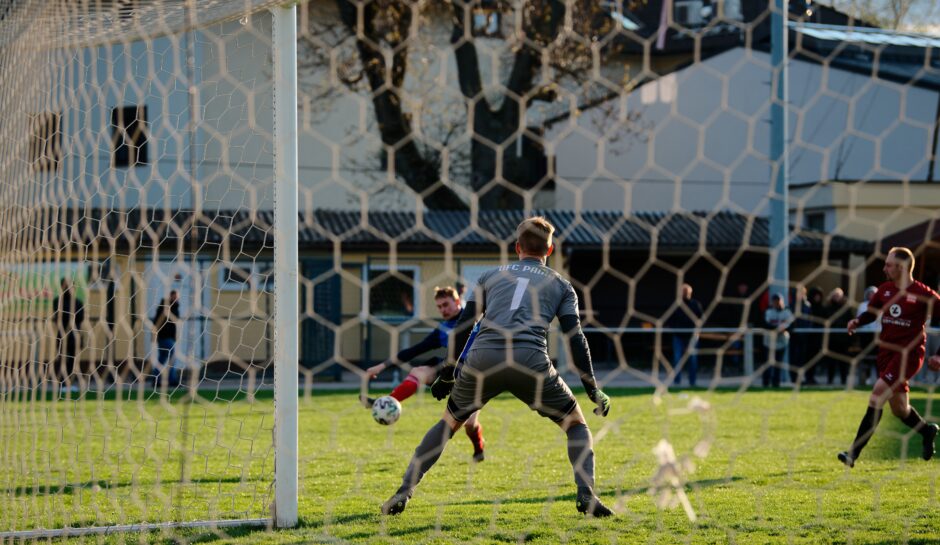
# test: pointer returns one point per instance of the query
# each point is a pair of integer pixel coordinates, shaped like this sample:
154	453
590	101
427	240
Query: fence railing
743	346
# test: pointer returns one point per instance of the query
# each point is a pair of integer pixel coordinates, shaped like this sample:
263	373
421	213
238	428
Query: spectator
837	314
866	334
814	340
68	315
778	320
165	323
738	312
800	341
687	315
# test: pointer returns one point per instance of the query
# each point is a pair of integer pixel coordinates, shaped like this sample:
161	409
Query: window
45	145
470	274
688	13
816	221
247	275
129	136
486	20
392	295
732	10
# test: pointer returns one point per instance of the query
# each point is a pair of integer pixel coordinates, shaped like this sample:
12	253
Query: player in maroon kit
904	305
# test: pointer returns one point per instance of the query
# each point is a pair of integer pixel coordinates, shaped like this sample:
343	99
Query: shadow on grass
909	541
102	485
226	535
607	494
401	532
203	535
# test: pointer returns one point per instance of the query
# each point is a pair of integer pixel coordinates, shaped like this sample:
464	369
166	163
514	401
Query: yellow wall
870	210
239	327
867	211
433	272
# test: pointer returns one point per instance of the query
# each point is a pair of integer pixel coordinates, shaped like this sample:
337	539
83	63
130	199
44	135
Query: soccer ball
386	410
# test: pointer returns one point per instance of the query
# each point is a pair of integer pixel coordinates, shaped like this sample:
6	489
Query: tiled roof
323	229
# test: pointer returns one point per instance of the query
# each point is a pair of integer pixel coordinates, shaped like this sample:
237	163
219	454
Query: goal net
201	197
653	136
140	158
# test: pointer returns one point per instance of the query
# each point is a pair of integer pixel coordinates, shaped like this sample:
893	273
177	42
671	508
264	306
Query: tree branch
419	173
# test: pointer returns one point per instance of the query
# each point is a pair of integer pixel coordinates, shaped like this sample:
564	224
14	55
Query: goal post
148	266
286	274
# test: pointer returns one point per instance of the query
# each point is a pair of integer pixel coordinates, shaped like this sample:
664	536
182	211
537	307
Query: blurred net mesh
137	161
437	128
137	158
641	130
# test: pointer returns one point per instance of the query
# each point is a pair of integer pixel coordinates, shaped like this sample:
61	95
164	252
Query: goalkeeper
510	353
448	304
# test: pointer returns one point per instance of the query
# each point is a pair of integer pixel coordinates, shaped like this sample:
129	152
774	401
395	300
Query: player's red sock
406	389
476	437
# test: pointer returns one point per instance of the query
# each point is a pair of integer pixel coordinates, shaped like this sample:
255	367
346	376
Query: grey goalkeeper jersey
518	302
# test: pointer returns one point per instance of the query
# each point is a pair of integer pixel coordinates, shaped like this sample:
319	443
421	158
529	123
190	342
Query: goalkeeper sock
406	389
914	421
581	455
476	437
865	430
425	456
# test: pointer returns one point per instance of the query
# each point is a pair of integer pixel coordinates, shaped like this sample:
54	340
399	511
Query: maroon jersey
904	314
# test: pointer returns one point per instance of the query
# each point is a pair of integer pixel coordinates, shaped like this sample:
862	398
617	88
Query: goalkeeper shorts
526	373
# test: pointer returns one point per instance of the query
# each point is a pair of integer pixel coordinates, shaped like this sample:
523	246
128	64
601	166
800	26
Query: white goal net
139	161
196	195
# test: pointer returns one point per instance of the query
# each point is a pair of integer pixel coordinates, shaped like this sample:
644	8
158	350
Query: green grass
770	474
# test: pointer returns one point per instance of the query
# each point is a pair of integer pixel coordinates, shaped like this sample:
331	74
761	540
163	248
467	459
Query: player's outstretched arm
581	354
934	362
853	325
431	342
446	376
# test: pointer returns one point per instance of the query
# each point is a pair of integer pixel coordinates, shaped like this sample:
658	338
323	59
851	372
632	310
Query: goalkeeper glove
444	383
602	401
595	394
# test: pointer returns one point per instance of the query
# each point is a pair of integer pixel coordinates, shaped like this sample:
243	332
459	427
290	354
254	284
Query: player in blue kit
424	372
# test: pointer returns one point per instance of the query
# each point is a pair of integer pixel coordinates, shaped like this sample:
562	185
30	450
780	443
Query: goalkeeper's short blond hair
535	235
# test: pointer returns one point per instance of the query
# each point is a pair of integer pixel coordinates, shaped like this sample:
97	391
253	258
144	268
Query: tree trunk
420	173
493	153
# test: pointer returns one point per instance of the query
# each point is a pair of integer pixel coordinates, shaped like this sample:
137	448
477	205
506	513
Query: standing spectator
68	315
736	311
801	341
814	340
866	334
778	320
838	313
686	316
760	304
165	323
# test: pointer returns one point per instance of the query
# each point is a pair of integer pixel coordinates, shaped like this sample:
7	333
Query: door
188	278
317	338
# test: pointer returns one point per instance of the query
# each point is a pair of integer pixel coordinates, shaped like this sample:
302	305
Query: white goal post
149	266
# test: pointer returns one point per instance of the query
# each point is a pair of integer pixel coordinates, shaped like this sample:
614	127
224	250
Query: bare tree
906	15
548	48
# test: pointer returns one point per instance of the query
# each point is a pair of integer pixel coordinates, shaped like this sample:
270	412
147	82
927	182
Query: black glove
444	383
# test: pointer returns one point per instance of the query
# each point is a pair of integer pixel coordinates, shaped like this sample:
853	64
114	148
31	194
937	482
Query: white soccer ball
386	410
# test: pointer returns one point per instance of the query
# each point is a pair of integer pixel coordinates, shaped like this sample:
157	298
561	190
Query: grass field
770	475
